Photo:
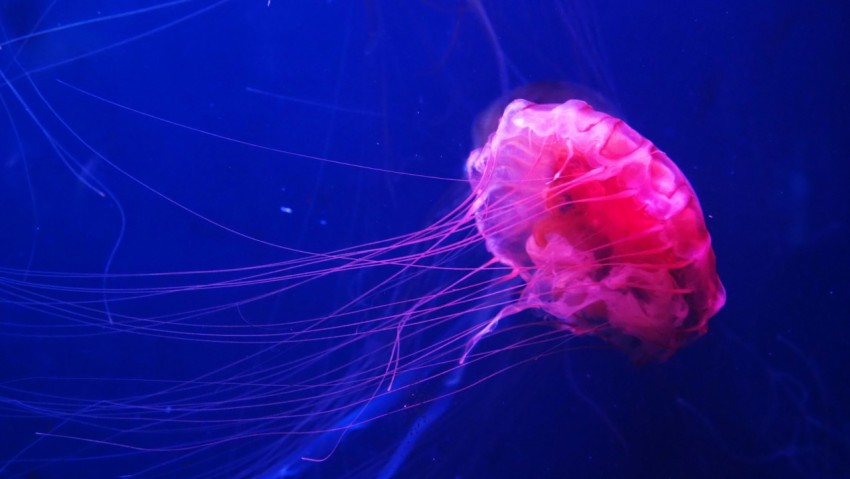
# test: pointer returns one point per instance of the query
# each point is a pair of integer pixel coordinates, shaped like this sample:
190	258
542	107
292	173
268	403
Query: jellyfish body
603	227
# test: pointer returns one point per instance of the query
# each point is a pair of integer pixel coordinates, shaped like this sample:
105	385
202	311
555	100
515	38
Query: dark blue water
148	136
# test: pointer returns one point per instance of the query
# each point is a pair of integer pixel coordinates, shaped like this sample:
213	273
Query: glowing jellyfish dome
603	227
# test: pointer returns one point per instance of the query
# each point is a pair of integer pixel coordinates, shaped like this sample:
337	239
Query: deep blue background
750	100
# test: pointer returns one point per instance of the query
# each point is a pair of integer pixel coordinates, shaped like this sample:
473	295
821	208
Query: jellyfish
225	267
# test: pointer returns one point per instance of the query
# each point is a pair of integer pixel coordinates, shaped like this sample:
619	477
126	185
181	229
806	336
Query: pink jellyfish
602	226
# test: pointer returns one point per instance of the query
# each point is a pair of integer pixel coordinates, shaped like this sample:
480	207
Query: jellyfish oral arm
488	328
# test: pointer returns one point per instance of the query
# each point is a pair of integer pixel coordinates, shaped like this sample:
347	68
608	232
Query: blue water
148	136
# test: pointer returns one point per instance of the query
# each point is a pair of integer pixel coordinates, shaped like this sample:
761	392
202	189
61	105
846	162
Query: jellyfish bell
544	92
602	226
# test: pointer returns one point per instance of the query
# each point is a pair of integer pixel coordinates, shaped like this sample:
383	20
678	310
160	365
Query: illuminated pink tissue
603	227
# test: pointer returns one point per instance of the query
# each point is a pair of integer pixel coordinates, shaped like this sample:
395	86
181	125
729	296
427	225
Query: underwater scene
260	239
